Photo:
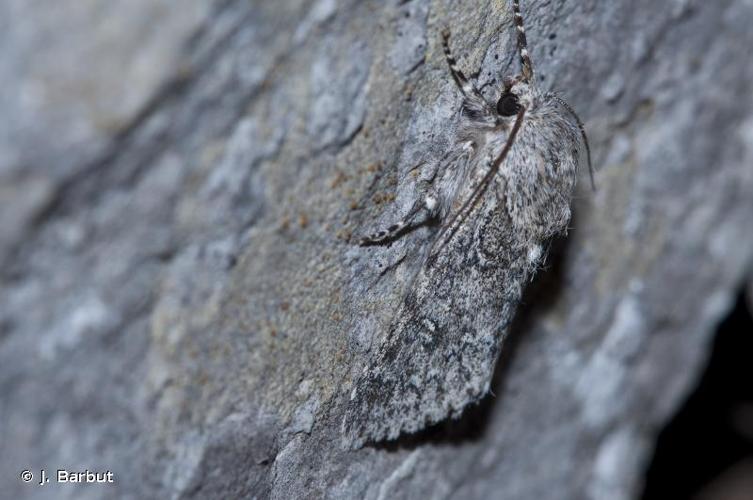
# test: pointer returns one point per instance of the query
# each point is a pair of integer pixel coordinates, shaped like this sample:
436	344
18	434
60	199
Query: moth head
516	94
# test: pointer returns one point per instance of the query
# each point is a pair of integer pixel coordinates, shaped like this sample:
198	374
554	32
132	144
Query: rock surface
180	299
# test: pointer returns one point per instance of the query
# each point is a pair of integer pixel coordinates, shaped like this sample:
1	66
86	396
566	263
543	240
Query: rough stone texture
180	301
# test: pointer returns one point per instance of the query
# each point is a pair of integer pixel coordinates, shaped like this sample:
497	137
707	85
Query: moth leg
425	207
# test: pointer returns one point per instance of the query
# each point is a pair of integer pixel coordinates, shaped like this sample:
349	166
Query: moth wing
440	352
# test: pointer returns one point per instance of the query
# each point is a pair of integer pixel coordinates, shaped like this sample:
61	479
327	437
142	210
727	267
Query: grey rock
180	299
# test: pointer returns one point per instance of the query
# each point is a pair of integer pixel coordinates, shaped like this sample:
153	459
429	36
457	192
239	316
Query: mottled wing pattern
437	358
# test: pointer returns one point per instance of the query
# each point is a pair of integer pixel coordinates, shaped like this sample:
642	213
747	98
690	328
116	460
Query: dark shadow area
713	432
469	427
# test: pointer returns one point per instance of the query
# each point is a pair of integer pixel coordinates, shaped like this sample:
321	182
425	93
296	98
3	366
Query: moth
500	195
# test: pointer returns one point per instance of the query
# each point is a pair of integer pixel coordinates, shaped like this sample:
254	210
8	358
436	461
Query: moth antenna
467	87
525	58
582	134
